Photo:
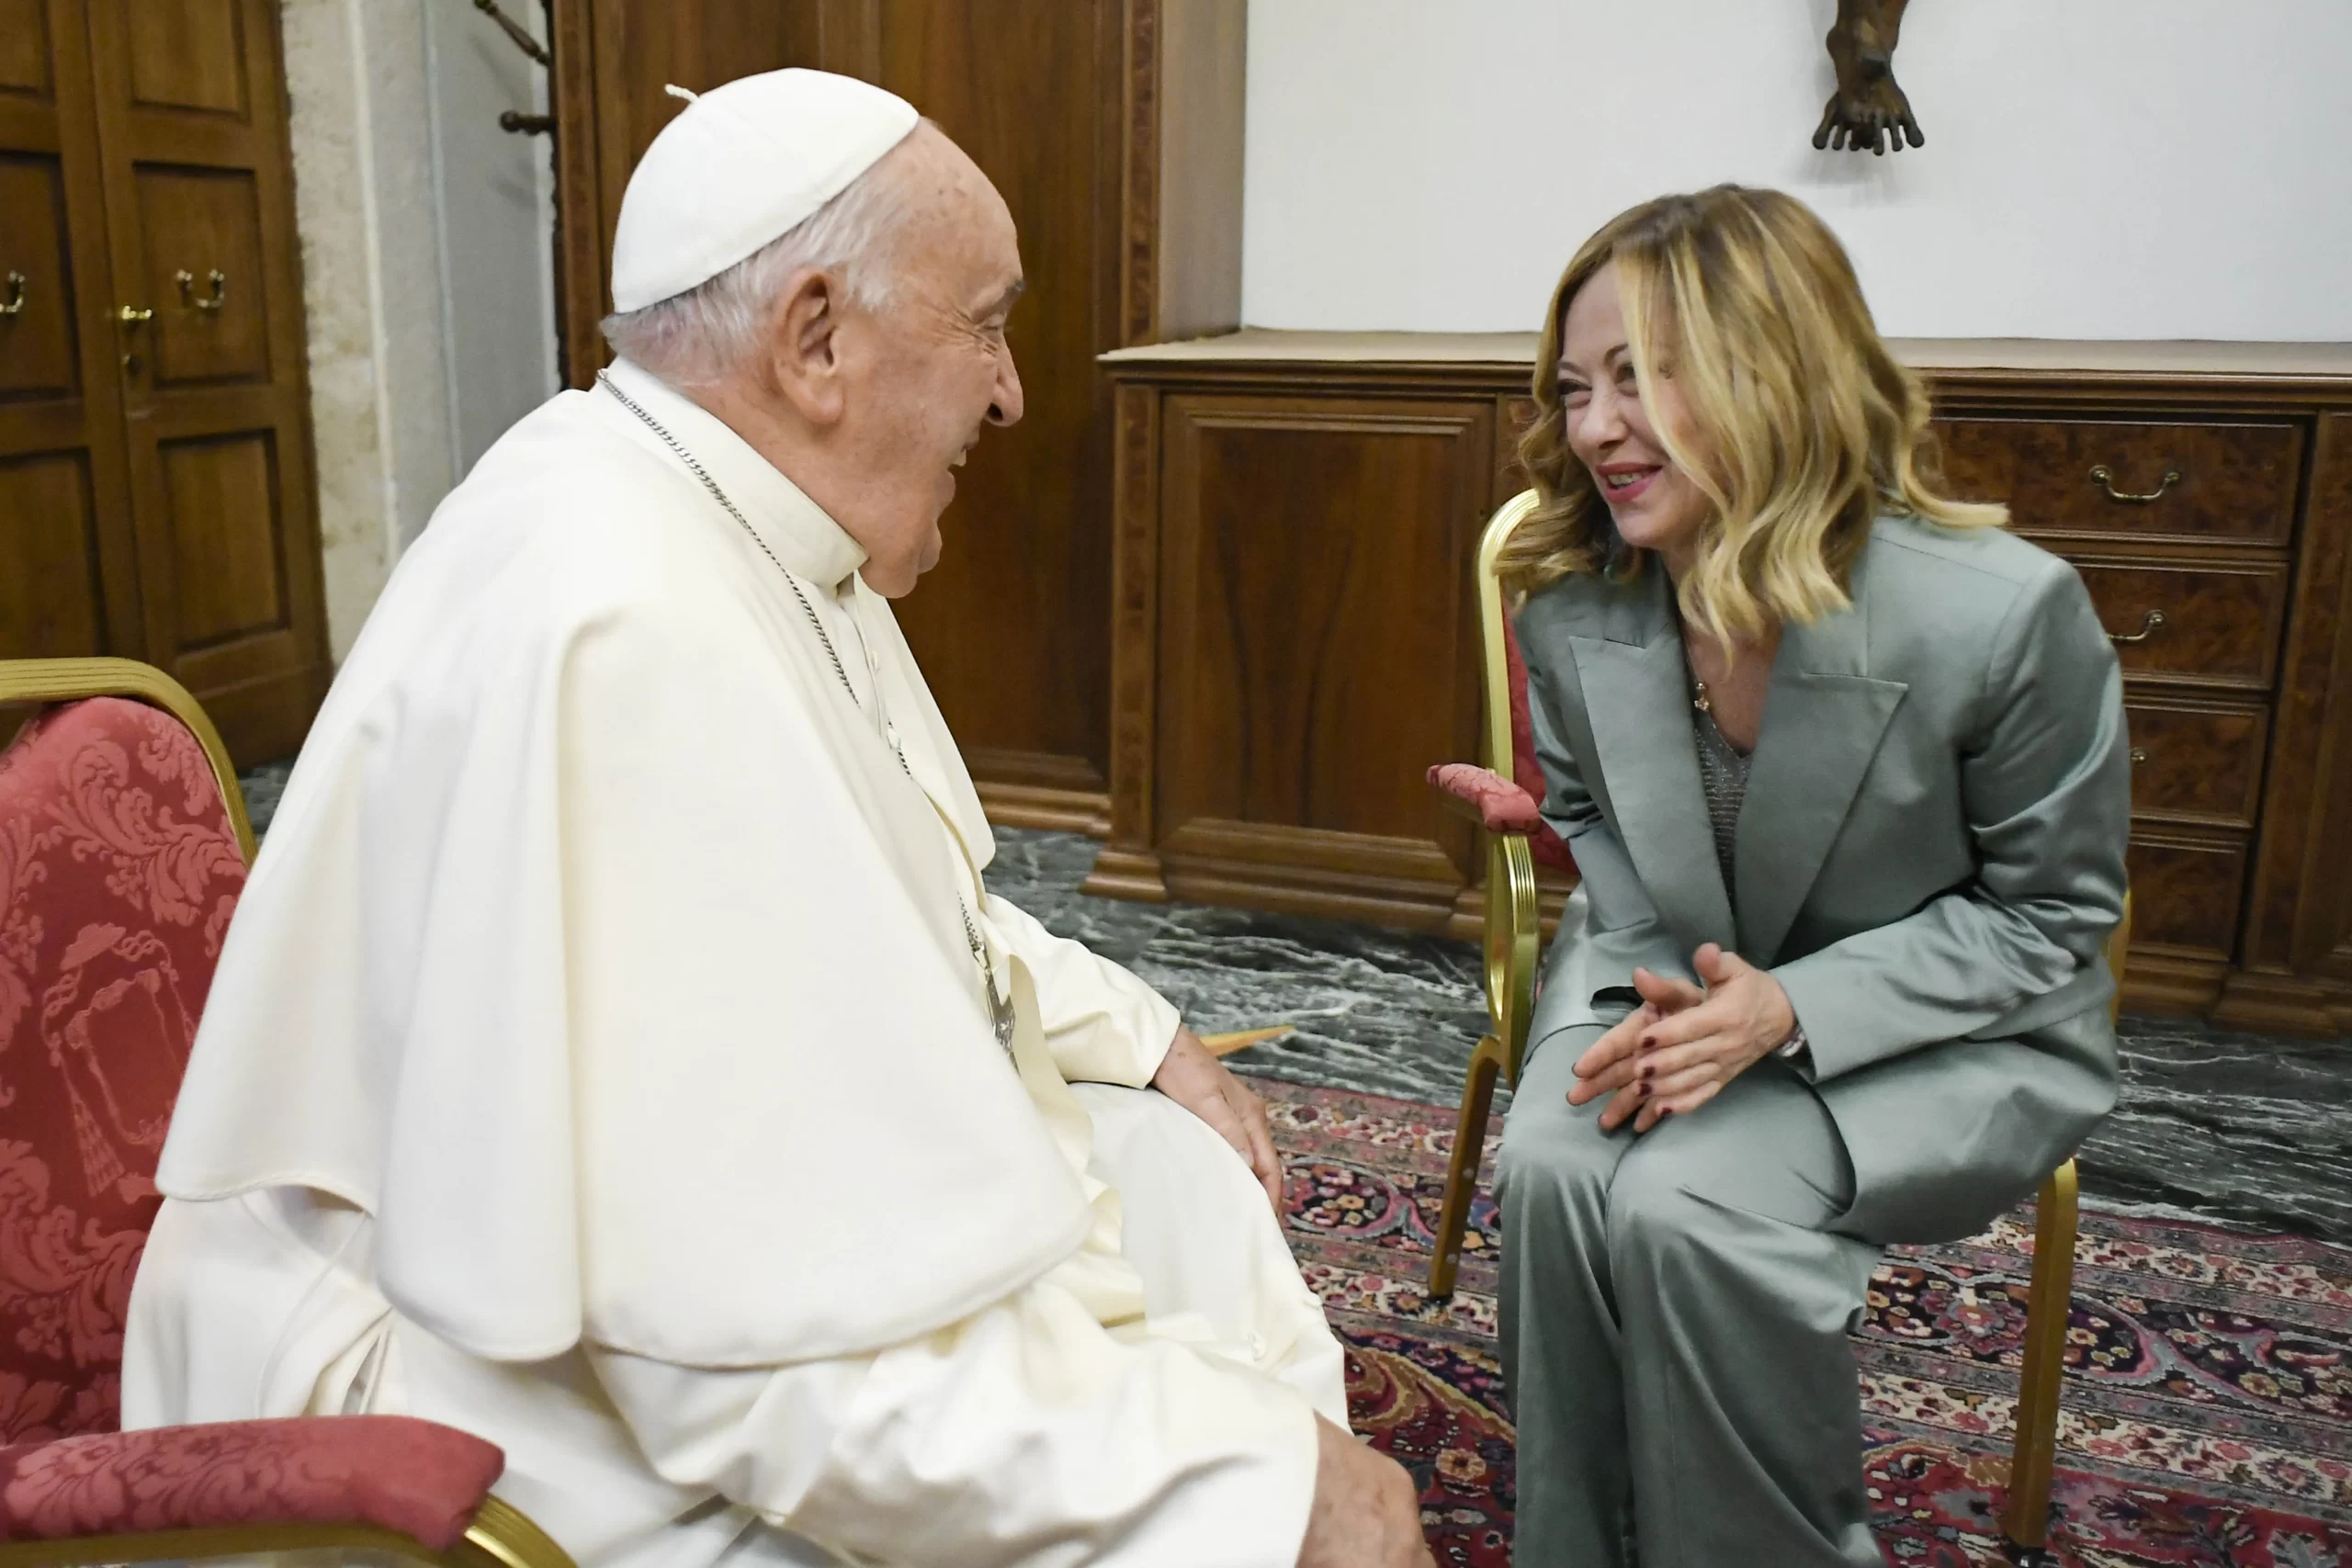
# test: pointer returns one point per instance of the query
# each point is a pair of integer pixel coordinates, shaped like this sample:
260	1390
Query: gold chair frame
500	1536
1512	941
72	680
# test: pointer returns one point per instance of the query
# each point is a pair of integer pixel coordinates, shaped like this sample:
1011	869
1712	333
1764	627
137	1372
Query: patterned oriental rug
2208	1409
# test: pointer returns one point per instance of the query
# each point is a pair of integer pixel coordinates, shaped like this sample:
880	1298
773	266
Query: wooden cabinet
156	499
1112	128
1291	646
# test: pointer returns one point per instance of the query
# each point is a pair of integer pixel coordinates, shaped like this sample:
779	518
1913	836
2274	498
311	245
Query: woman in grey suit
1842	764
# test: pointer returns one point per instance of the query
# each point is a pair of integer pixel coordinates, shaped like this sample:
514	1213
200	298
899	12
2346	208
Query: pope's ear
804	345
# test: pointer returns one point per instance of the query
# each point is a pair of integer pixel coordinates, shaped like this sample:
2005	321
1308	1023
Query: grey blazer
1930	856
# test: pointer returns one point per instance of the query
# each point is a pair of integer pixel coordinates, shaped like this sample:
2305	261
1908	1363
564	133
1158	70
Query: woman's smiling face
1653	503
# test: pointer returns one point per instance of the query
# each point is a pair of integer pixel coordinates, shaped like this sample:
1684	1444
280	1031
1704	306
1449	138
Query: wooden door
68	581
191	116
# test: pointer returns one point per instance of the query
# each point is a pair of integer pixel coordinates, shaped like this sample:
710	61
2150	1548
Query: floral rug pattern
2207	1416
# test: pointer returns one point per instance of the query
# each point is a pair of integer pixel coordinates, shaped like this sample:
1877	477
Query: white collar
799	532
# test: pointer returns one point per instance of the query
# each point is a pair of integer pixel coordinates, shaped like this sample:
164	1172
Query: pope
617	1052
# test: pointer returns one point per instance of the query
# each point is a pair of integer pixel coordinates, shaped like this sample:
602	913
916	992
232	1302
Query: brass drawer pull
2104	476
2138	756
186	280
16	305
2150	624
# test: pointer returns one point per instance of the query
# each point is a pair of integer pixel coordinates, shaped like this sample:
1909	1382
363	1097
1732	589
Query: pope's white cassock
599	1063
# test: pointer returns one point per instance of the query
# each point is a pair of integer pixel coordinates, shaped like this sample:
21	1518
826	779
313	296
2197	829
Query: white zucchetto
743	165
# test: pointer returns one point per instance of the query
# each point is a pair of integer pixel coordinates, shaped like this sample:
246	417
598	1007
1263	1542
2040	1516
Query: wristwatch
1793	1047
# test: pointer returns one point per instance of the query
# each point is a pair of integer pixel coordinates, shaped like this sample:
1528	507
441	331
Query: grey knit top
1722	771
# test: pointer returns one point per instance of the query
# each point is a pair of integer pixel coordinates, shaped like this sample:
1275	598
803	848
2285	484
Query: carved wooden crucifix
1868	110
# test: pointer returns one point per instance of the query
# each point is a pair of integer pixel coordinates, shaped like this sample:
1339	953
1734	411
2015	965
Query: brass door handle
131	315
2150	624
16	305
186	281
2104	476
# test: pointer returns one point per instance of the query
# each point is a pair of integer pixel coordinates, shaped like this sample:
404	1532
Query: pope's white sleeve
1027	1433
1102	1023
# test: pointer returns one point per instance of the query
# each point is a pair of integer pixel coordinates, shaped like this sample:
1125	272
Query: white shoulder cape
603	951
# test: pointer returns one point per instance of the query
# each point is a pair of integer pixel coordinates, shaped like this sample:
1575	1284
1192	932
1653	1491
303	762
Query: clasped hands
1675	1052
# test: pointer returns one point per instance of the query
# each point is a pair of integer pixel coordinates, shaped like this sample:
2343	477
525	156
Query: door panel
193	148
50	597
69	579
226	558
203	223
24	49
190	54
37	338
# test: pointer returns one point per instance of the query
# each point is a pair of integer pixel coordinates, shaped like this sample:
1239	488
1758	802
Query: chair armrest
415	1478
1485	797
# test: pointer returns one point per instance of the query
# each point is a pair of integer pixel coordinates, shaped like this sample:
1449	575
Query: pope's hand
1196	1080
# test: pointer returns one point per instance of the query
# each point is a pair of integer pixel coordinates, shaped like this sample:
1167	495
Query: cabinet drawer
2185	893
2196	761
2213	624
2198	479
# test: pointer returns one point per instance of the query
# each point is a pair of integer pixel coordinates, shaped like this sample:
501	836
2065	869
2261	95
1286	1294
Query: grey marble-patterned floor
2223	1125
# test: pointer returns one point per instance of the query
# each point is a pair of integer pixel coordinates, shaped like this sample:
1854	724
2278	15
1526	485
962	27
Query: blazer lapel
1824	716
1637	701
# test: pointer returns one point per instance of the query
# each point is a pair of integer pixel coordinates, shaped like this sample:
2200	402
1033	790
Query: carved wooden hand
1868	109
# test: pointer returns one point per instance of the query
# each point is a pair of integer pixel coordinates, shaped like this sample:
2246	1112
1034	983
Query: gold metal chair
2049	1308
1512	940
1512	933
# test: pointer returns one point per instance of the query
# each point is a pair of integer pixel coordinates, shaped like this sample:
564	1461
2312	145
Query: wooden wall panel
1315	650
50	595
2297	959
1013	628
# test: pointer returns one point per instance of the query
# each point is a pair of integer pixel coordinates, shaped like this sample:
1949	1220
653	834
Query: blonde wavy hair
1794	421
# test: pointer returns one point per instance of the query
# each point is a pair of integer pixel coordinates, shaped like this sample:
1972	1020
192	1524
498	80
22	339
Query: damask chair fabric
423	1480
119	871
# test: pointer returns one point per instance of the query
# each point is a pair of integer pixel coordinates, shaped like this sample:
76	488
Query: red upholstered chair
1517	841
123	847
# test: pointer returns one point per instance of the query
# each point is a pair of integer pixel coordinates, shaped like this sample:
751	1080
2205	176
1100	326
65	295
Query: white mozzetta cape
605	954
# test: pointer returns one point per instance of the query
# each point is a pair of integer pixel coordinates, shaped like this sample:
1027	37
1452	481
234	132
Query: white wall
425	281
2092	169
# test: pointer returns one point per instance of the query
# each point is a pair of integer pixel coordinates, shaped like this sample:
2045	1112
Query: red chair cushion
119	871
423	1480
1502	805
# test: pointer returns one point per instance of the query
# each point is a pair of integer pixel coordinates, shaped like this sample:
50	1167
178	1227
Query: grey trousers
1674	1324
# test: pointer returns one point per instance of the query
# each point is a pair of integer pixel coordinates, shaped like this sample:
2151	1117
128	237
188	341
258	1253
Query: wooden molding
1135	618
1037	789
1133	874
579	220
